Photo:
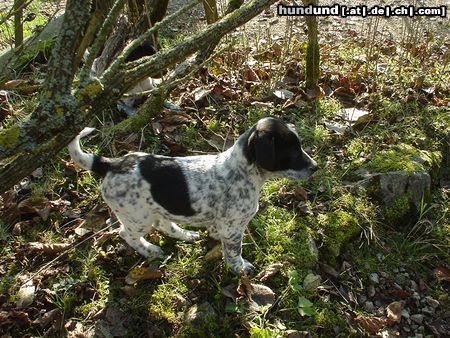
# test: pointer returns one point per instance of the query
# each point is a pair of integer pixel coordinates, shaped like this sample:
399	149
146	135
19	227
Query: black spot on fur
168	184
101	165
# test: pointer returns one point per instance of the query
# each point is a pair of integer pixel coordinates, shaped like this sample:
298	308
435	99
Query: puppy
219	192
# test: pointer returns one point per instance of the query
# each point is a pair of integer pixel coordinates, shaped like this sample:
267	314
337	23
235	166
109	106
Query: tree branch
62	114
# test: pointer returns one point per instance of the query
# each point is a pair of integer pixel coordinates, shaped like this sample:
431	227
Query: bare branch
99	42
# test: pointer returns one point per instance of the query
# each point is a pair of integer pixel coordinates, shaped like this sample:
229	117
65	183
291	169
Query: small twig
48	264
253	241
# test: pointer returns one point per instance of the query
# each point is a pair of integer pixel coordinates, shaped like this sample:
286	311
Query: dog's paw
153	252
247	267
191	236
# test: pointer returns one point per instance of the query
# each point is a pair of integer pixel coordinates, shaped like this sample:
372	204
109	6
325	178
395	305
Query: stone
297	334
393	185
362	299
428	310
414	286
373	278
432	302
405	313
369	306
417	318
371	291
198	314
384	274
311	282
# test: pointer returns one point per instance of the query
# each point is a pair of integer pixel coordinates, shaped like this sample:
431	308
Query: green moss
9	137
283	235
396	213
404	157
91	90
162	303
327	319
328	106
349	215
339	227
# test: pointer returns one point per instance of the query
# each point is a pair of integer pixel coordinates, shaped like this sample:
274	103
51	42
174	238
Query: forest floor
333	256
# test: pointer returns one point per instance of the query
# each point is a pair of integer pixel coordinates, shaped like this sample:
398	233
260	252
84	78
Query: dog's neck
235	157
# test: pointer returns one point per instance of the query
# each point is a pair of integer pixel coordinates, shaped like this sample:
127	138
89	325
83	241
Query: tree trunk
18	23
62	113
312	51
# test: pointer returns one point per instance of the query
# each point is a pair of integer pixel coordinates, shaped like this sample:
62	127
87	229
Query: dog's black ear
262	145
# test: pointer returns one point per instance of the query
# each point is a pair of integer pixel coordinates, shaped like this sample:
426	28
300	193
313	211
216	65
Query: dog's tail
95	163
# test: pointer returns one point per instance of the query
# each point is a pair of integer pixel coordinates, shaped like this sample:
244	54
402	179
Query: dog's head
275	147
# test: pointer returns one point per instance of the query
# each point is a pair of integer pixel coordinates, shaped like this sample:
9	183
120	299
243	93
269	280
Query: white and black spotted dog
219	192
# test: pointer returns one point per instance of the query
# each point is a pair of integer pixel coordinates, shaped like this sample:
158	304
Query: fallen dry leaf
394	312
214	254
354	115
300	194
12	84
47	249
442	274
269	272
311	282
370	324
49	317
245	287
26	294
128	290
259	297
142	273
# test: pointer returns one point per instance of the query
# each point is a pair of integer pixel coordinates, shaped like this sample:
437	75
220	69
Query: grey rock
297	334
362	299
414	286
417	318
374	278
419	183
369	306
380	257
400	279
198	314
432	302
371	291
428	310
406	328
405	313
393	185
384	274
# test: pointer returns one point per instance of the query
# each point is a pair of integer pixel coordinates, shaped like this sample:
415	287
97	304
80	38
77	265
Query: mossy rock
400	178
404	157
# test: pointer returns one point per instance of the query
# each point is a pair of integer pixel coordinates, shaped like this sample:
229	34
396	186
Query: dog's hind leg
134	234
173	230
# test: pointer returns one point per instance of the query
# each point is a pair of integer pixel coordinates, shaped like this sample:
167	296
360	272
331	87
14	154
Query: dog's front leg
232	253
